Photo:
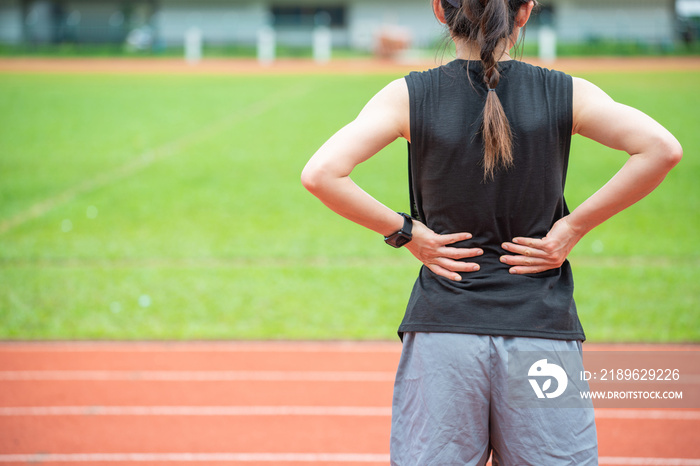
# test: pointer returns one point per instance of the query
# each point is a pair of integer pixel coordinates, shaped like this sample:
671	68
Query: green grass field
169	207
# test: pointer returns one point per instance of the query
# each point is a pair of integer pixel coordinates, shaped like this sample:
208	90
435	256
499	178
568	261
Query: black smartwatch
402	236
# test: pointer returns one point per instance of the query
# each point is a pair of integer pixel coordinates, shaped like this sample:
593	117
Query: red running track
244	404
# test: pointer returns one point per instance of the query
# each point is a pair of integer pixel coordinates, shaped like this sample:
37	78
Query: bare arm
327	176
653	153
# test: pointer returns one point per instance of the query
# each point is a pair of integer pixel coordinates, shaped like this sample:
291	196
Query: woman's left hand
533	255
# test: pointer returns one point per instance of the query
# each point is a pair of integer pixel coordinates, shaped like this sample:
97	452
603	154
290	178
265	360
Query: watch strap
404	235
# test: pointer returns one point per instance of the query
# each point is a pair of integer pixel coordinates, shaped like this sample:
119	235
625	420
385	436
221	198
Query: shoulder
453	69
584	89
389	109
394	94
397	86
587	94
428	83
418	79
589	103
547	75
541	86
448	68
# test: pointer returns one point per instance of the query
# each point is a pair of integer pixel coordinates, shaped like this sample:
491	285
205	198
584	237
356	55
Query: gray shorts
449	407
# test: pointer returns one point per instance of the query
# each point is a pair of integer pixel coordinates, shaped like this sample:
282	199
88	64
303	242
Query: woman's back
451	194
451	191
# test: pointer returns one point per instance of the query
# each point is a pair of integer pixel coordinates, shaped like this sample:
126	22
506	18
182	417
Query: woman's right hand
433	251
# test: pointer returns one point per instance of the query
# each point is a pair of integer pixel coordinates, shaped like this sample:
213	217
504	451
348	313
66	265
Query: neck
468	50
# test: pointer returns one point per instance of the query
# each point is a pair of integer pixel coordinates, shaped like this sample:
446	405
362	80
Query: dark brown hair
487	23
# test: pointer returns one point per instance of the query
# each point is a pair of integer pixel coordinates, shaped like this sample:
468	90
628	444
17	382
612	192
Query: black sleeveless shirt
449	194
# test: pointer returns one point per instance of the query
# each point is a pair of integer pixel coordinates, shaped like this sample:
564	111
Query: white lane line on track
270	346
357	411
280	457
609	413
204	347
330	346
631	461
218	376
198	457
204	376
201	376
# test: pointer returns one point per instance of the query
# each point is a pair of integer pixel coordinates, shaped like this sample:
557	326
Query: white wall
688	8
221	21
616	20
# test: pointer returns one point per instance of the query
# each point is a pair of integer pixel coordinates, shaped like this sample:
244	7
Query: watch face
398	239
402	236
401	240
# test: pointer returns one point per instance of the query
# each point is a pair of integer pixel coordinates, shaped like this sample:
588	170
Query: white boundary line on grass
279	458
149	157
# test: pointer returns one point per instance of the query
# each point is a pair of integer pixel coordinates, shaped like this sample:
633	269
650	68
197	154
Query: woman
489	141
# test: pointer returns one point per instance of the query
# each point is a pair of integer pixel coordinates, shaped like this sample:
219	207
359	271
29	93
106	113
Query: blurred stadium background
352	26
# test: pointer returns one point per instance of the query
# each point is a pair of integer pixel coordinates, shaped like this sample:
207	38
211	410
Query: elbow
666	151
307	179
321	178
671	151
311	179
675	153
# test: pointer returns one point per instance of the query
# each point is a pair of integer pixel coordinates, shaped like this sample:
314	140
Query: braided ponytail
487	23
